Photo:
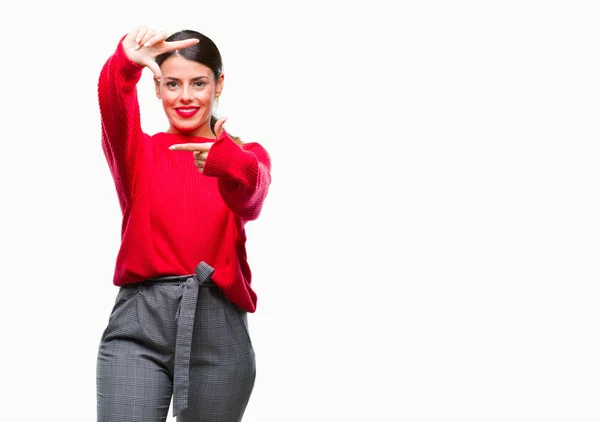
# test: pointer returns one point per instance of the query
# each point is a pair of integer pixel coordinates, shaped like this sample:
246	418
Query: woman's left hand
200	151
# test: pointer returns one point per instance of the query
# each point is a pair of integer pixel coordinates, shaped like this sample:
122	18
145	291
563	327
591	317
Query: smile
187	111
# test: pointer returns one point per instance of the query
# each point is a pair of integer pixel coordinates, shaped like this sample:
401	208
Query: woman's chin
191	130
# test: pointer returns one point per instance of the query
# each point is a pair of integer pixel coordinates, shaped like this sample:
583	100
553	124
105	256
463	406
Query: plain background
429	247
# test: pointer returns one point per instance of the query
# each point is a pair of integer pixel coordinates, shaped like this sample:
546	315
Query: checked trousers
175	337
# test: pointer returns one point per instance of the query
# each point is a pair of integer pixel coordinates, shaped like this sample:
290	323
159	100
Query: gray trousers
179	337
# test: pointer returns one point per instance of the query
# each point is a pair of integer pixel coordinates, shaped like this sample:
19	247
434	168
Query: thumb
219	126
155	68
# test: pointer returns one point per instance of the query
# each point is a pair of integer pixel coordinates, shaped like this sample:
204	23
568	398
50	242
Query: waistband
185	326
178	279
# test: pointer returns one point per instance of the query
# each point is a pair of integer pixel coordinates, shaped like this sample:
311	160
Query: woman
179	324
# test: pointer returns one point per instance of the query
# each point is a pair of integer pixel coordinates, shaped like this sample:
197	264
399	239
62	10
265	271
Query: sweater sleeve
244	174
122	136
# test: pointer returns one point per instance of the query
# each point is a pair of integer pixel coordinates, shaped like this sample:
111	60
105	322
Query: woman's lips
187	111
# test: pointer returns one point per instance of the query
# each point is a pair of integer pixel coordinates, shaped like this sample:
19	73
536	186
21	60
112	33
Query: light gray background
435	165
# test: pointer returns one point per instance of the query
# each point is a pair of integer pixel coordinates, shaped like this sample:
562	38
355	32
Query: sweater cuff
228	159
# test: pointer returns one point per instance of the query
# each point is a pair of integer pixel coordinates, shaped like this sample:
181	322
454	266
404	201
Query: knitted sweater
173	215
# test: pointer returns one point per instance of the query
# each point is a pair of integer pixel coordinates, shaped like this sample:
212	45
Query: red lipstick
187	111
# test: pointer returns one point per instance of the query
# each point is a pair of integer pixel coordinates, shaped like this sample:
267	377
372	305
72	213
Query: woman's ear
157	88
219	87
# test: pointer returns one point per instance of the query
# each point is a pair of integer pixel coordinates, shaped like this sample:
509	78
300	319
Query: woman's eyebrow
193	79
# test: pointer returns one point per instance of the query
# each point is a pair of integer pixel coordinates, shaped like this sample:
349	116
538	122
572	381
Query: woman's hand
200	151
142	45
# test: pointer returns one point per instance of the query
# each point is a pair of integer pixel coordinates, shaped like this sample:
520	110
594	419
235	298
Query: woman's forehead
181	68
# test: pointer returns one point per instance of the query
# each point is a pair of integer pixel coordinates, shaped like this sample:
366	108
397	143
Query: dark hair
204	52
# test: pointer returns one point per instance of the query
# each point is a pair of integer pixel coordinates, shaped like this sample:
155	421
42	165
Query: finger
200	155
191	147
141	31
179	45
155	68
154	39
219	126
148	39
199	161
131	40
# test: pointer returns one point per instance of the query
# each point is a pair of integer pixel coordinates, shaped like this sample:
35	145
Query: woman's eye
171	84
200	84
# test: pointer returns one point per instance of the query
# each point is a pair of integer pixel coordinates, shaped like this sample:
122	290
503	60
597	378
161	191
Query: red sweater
173	215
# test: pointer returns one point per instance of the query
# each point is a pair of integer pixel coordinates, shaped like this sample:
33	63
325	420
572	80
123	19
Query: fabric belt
185	327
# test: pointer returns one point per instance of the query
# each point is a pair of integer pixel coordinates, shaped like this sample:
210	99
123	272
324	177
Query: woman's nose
186	94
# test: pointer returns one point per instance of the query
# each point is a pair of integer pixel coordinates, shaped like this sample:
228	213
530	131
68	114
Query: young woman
179	323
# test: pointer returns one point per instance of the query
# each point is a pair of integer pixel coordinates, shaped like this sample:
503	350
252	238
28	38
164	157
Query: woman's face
188	90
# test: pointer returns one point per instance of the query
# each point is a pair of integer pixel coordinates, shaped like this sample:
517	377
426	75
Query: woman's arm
122	136
243	171
244	174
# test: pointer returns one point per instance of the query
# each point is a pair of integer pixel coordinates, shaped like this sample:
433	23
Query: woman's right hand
142	45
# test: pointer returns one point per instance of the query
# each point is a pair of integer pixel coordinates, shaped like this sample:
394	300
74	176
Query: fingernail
136	48
147	44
